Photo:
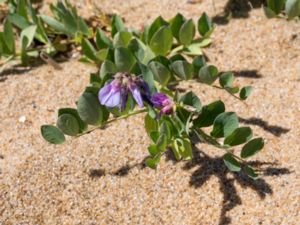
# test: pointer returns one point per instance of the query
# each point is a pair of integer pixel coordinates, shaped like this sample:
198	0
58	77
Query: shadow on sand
237	9
207	167
273	129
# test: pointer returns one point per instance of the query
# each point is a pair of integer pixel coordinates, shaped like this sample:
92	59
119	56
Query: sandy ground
100	179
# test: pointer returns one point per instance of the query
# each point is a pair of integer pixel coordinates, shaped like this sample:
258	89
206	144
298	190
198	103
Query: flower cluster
115	94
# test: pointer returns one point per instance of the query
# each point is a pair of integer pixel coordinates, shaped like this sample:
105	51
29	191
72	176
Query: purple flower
110	94
136	94
116	93
162	102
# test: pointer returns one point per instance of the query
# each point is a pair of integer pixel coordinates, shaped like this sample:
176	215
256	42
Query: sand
100	178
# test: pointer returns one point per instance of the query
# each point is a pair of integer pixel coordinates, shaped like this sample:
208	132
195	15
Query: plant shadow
236	9
120	172
273	129
19	69
254	74
207	166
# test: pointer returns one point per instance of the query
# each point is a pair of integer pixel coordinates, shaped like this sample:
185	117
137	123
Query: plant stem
113	120
6	60
175	50
218	87
210	140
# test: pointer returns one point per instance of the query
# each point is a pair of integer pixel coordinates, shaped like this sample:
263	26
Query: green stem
175	50
210	140
113	120
6	60
218	87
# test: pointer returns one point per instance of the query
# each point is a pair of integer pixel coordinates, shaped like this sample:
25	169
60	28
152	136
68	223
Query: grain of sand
99	178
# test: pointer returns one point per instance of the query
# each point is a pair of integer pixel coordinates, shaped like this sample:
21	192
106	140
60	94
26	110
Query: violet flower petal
124	97
110	95
167	110
158	100
136	95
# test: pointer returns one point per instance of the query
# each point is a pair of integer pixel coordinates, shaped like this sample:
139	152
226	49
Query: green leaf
67	14
161	73
208	74
177	57
153	150
199	62
225	124
175	150
192	100
22	8
83	27
183	148
95	80
245	92
122	39
102	54
209	114
68	124
163	60
102	41
107	67
193	49
124	59
90	110
183	69
292	8
252	147
27	36
18	21
165	128
41	32
154	135
276	5
239	136
226	79
231	163
9	36
269	12
153	162
250	172
232	90
117	25
162	41
74	112
89	50
205	26
52	134
150	124
184	116
187	32
148	77
175	24
154	27
142	52
55	24
162	142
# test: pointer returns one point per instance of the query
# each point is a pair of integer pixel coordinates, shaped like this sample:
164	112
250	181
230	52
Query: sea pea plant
137	75
283	8
41	35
